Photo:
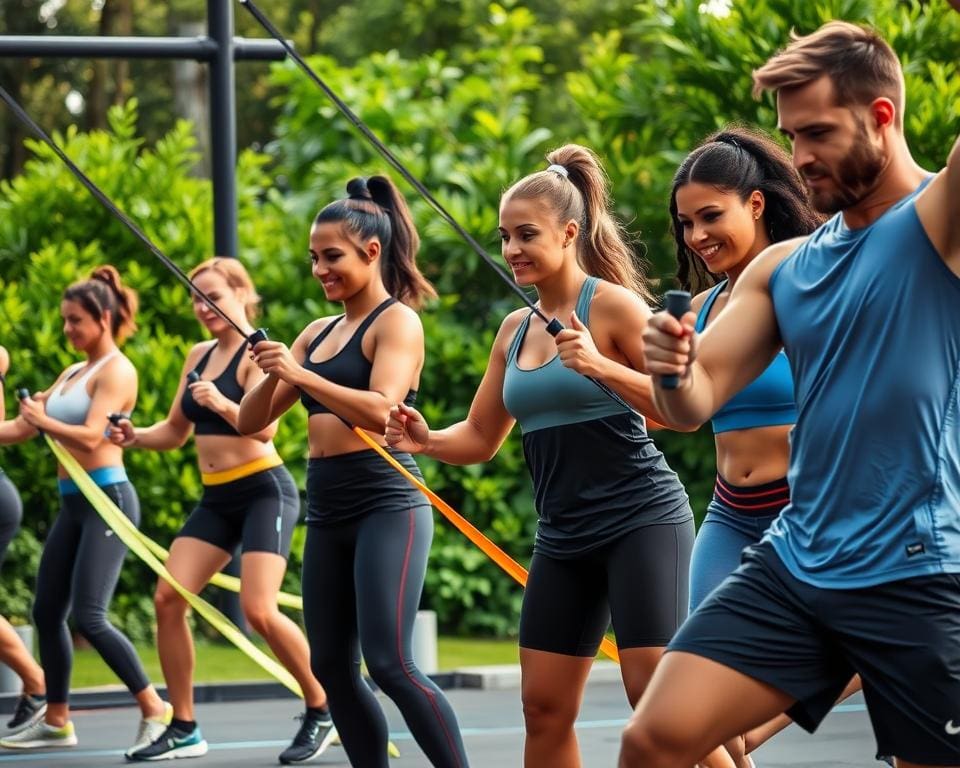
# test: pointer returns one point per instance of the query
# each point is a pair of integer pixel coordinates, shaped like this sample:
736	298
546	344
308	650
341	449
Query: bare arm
480	435
271	397
618	318
736	347
397	357
4	367
114	390
173	431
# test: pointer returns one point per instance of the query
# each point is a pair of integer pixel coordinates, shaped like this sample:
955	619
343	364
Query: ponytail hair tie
559	170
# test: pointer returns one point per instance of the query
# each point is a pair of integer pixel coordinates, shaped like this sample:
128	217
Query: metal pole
200	48
223	128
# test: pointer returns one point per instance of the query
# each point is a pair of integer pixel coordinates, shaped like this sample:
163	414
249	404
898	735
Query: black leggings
361	589
81	564
11	512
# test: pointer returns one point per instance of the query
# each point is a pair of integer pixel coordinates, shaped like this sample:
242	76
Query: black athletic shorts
258	511
640	581
903	638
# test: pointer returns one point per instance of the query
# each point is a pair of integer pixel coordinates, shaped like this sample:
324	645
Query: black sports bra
349	367
208	422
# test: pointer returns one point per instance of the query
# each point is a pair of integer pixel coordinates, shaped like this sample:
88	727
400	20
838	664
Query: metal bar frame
219	49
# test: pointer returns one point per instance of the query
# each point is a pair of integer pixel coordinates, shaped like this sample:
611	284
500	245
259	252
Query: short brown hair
859	62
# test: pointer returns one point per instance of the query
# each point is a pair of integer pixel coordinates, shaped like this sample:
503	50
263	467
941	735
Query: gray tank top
596	473
71	406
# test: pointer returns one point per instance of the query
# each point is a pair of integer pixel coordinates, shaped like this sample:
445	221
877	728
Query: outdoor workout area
477	384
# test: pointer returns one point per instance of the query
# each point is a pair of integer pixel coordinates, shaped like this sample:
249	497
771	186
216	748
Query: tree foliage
473	111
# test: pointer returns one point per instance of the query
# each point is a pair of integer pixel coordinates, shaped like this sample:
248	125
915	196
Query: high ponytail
742	160
103	291
375	208
577	188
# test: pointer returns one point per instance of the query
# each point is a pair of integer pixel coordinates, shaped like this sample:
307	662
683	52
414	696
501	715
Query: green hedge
468	127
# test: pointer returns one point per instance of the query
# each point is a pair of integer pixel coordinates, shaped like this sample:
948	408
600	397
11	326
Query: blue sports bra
349	367
767	401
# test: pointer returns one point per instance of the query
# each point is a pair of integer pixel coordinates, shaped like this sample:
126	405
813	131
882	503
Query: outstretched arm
618	318
114	391
480	435
735	349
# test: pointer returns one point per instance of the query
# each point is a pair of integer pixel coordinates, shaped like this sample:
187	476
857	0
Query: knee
637	746
46	614
642	745
546	714
387	671
260	616
168	604
90	621
330	667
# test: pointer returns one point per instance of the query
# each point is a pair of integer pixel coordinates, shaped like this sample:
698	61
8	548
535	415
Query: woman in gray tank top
614	521
81	559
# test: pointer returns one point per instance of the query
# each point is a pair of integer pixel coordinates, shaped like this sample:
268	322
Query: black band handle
677	304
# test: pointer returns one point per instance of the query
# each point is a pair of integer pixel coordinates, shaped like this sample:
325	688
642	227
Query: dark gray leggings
361	589
11	512
81	564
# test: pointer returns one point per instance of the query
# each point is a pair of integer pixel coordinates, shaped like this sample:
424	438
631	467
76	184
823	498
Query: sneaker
172	744
29	710
41	735
151	729
315	735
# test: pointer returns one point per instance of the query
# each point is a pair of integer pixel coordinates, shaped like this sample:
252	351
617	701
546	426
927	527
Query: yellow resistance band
145	548
488	548
122	526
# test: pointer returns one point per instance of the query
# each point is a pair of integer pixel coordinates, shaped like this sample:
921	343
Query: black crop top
349	367
208	422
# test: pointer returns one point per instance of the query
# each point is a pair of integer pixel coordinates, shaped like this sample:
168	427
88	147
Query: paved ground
253	734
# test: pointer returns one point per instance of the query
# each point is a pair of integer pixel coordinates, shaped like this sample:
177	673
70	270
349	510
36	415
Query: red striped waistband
766	499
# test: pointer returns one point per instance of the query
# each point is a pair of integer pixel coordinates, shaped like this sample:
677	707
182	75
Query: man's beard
856	176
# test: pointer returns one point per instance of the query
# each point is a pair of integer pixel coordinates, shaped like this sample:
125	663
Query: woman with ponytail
368	530
615	528
81	560
249	501
732	197
32	703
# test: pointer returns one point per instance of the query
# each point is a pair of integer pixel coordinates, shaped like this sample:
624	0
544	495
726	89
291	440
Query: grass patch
224	663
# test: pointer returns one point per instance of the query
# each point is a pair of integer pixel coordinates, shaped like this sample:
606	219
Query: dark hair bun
357	189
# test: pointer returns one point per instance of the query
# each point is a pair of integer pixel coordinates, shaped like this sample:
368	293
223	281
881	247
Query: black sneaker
315	735
173	743
28	711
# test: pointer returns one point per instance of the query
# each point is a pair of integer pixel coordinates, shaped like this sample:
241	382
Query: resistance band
501	558
554	326
121	525
128	533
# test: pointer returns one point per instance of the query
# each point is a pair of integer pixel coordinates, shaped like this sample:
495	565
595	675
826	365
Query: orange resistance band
491	550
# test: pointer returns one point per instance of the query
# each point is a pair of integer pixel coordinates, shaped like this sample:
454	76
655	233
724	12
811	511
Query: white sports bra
71	407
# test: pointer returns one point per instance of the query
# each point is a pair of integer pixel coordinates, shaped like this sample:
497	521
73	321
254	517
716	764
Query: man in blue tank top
861	572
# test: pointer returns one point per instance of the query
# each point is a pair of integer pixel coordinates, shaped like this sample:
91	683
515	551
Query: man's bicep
742	341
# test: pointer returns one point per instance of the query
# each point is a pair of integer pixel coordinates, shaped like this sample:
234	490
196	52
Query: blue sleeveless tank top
767	401
596	473
869	319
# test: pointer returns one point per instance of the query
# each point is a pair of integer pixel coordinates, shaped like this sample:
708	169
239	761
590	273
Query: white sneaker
151	729
41	735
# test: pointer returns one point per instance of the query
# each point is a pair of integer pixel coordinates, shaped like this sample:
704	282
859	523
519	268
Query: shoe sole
191	750
327	741
39	744
34	718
